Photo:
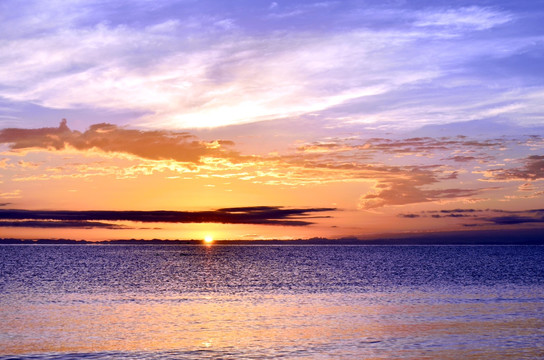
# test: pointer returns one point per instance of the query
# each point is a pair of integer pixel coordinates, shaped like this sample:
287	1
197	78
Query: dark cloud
409	216
454	175
4	204
153	145
515	219
455	213
534	211
446	213
510	217
485	216
60	224
462	158
261	215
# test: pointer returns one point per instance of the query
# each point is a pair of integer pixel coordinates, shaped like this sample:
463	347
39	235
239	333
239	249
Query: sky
269	119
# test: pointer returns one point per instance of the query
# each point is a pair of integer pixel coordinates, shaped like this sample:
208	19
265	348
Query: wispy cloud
473	17
188	71
15	194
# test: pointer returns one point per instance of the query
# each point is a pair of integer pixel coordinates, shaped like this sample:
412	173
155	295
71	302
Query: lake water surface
268	302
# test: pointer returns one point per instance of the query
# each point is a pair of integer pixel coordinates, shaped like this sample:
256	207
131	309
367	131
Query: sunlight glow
208	239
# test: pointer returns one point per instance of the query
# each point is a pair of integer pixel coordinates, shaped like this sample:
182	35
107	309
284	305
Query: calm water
267	302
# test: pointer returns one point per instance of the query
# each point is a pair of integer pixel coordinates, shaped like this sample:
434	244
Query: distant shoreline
489	237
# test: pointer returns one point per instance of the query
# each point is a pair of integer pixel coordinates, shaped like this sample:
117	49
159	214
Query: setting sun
208	239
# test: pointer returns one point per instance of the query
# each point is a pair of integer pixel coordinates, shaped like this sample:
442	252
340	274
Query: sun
208	239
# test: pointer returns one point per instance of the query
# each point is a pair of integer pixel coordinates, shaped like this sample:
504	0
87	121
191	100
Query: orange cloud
153	145
415	178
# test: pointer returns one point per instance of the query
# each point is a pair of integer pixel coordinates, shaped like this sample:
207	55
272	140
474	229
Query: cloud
424	145
411	191
394	184
415	182
402	170
409	216
258	215
448	213
179	69
422	169
60	224
15	194
515	219
480	217
533	169
473	17
153	145
456	211
420	146
463	159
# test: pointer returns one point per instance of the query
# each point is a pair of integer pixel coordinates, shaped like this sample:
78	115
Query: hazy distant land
487	237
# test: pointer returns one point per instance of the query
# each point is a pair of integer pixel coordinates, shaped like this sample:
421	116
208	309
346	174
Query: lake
269	302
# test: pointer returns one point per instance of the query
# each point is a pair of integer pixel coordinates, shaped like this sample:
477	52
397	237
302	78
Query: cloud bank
481	217
402	170
59	224
258	215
